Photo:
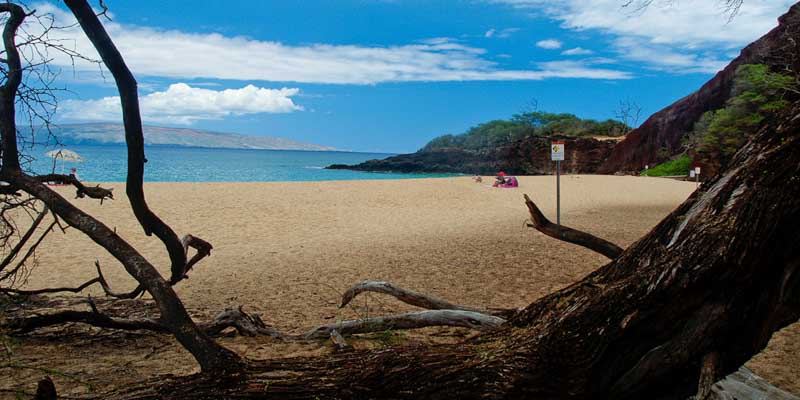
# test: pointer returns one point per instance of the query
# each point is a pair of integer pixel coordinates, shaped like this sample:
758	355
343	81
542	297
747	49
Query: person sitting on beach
500	179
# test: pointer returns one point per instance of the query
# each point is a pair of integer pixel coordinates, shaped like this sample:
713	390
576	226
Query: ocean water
195	164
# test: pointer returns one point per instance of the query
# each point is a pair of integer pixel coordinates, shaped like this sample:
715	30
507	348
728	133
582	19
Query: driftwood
413	320
405	295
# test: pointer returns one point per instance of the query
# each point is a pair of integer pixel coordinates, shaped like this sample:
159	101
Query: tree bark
8	92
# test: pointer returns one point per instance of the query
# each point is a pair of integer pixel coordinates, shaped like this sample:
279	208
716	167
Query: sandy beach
286	251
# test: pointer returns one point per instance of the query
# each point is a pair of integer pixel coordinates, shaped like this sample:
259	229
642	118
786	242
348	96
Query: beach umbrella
65	156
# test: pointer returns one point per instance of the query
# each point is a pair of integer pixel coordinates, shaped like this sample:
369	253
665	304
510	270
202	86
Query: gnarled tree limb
94	192
405	295
591	242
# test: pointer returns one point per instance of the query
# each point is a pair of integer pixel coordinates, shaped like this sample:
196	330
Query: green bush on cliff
678	166
757	93
503	132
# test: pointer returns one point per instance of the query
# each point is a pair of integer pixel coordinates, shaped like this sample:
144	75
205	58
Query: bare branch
591	242
95	192
29	253
94	318
402	294
16	249
52	290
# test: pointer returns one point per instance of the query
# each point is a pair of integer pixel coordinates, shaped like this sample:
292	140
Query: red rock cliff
665	128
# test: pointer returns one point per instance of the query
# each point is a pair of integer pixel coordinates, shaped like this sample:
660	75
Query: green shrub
504	132
678	166
756	94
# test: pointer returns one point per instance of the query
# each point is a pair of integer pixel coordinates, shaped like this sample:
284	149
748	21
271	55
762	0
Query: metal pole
558	193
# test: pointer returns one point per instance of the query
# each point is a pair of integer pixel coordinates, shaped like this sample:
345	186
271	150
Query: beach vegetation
675	167
757	94
498	133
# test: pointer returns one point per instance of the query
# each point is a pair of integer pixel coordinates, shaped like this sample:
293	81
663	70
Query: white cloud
183	104
662	57
181	55
502	34
549	44
576	51
686	22
693	33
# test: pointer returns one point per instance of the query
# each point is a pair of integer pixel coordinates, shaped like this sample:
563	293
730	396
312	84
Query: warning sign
557	151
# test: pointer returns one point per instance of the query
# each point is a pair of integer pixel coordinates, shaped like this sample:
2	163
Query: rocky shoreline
528	156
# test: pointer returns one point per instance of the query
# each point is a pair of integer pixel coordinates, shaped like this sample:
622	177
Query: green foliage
756	94
503	132
678	166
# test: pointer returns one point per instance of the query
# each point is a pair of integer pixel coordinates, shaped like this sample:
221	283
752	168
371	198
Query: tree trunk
8	92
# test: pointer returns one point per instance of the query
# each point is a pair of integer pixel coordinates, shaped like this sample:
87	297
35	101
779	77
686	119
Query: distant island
110	133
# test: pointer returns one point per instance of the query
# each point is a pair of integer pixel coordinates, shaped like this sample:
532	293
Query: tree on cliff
757	93
682	307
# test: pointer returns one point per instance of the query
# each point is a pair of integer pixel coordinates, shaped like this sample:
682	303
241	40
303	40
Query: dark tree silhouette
210	355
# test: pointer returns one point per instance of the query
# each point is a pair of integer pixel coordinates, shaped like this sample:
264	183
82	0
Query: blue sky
387	76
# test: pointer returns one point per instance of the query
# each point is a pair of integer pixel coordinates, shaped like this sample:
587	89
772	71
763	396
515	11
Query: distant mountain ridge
109	133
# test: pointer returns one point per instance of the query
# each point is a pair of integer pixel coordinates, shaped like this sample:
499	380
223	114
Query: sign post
557	155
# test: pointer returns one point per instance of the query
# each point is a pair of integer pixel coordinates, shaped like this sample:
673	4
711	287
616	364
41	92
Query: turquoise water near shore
195	164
